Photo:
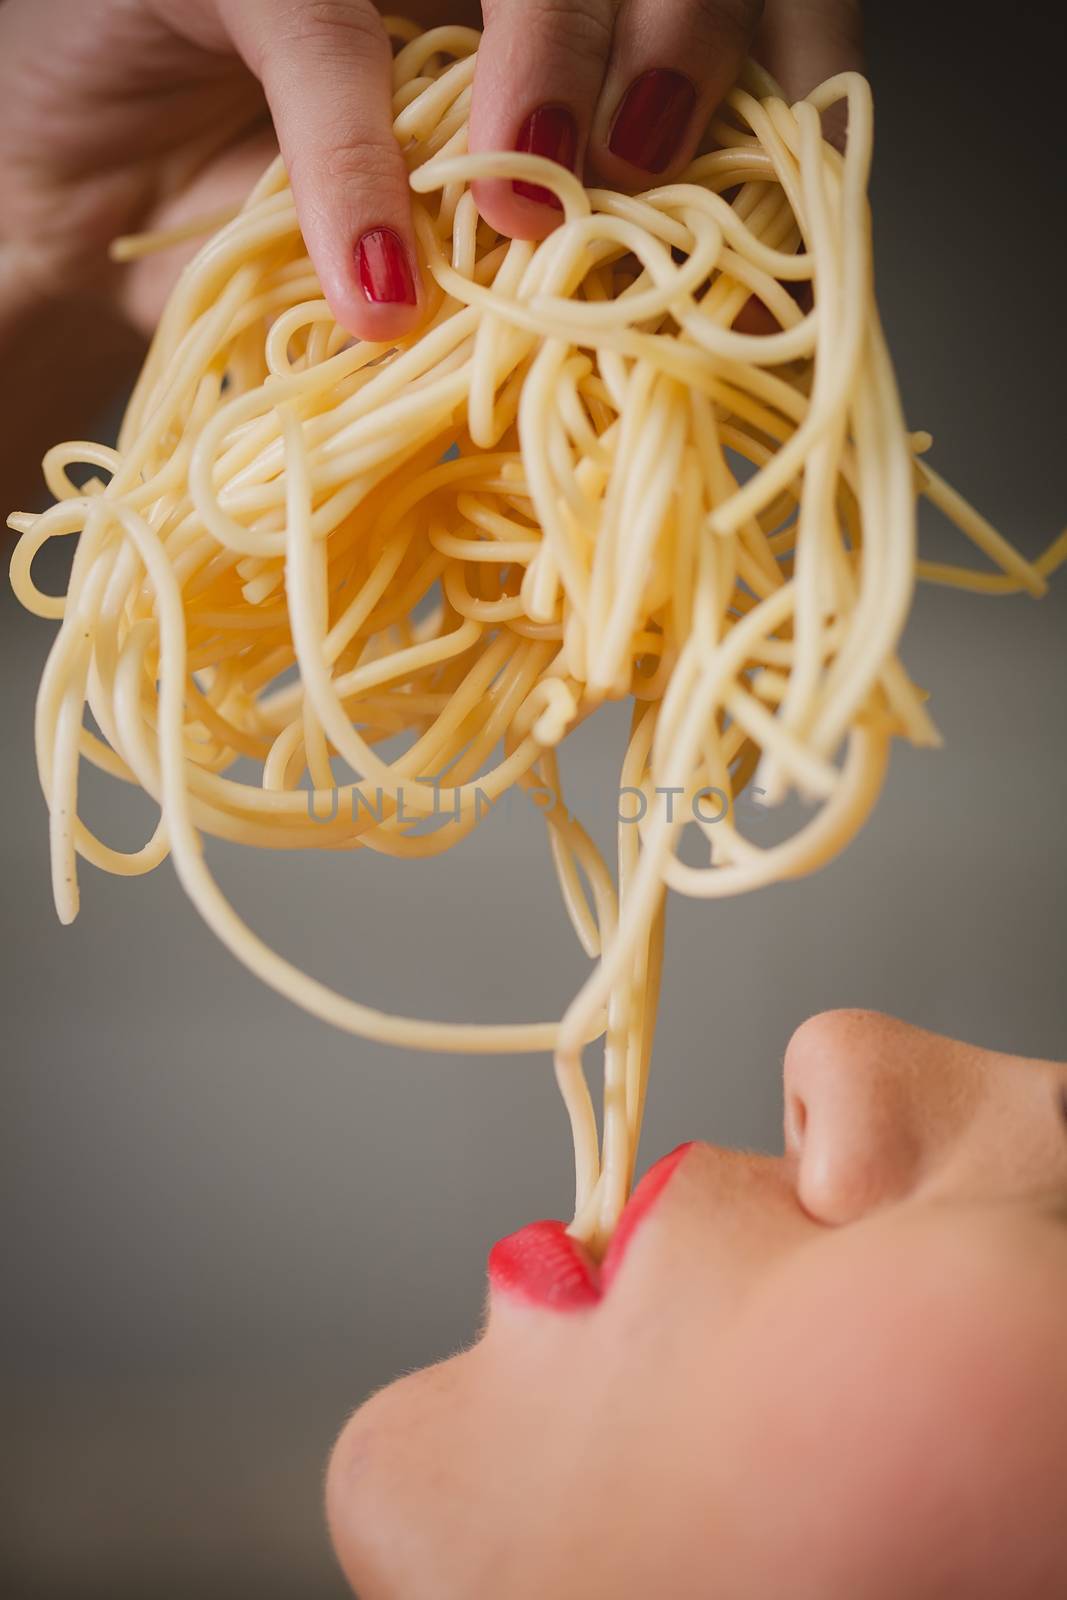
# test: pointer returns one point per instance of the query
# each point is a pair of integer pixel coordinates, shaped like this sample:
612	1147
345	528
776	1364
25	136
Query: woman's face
837	1374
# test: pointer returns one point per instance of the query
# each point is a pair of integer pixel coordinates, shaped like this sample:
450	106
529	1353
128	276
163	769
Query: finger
671	63
326	70
540	68
803	42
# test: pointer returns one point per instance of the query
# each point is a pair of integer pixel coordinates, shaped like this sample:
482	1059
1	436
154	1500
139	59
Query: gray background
223	1224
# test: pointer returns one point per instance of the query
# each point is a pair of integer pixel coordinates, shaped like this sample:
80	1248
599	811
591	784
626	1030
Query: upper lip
543	1265
639	1204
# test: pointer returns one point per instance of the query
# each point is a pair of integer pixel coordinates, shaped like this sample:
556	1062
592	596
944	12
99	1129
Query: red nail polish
550	131
542	1265
384	270
652	118
637	1208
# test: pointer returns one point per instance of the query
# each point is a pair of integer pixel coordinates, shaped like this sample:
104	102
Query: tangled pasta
578	482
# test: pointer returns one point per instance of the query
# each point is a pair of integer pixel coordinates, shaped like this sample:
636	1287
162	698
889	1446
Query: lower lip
542	1265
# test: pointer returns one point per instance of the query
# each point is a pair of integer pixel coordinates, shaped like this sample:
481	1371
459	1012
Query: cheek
902	1432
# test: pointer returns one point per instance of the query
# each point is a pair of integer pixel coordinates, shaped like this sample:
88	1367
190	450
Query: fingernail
384	270
652	118
550	131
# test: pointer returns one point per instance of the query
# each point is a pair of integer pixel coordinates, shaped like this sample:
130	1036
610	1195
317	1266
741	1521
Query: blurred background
224	1224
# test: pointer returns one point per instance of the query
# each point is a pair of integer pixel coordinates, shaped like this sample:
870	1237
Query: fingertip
538	73
374	288
607	171
515	207
512	212
378	324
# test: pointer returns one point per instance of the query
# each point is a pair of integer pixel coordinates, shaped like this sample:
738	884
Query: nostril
796	1121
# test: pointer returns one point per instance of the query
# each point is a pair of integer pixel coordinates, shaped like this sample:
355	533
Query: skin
837	1374
123	115
130	114
833	1374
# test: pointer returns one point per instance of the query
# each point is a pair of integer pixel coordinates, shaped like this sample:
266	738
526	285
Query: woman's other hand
134	114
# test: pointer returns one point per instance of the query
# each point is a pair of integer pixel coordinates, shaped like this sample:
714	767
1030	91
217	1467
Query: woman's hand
129	114
132	114
622	90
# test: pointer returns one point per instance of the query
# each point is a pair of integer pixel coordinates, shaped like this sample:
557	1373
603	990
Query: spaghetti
579	482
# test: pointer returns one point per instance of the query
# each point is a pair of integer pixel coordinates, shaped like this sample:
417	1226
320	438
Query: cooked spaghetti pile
578	482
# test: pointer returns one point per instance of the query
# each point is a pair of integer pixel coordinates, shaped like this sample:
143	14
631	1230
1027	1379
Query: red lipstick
542	1265
637	1208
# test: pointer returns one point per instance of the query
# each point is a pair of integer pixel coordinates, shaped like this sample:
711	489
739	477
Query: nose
871	1107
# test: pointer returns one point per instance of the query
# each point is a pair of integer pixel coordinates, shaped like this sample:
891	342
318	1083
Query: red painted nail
550	131
652	118
384	270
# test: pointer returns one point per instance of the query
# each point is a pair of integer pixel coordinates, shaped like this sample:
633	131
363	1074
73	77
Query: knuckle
368	162
327	25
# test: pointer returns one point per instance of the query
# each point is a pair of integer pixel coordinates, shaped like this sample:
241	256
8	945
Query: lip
637	1209
542	1265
